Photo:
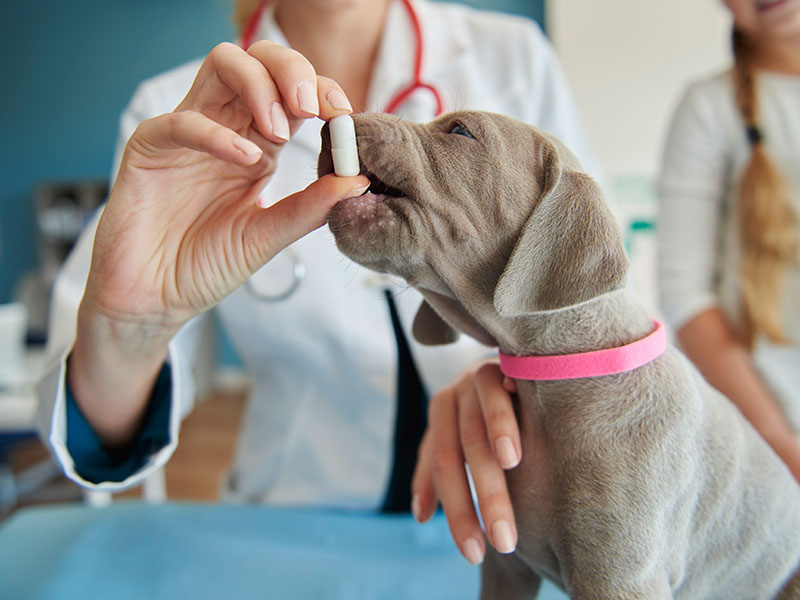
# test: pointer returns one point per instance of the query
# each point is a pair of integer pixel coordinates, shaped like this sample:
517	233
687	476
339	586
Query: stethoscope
298	268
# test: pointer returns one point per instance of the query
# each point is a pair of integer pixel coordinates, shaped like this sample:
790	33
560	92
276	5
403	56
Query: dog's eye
459	129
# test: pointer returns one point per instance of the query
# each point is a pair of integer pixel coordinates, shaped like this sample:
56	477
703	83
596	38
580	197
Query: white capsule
343	146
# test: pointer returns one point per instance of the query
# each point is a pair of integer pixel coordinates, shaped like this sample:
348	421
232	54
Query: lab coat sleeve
691	190
68	289
96	462
52	407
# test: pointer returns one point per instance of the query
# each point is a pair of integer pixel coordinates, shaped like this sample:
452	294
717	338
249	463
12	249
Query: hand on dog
471	421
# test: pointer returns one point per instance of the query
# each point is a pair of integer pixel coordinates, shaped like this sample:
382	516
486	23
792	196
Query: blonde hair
242	11
767	223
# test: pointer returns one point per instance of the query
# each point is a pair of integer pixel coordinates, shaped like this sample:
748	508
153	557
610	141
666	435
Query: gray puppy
644	484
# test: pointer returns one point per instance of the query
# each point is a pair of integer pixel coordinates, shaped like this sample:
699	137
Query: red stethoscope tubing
248	37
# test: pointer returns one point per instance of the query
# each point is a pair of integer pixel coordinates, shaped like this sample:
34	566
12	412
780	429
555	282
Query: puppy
638	485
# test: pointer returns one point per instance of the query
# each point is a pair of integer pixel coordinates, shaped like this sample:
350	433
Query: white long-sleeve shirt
706	151
319	422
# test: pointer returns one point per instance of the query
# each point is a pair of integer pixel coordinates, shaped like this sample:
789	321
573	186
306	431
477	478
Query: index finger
450	476
304	93
229	72
498	413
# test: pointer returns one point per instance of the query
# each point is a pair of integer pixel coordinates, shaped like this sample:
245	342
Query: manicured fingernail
356	191
415	507
506	453
471	550
280	124
307	97
246	147
502	536
338	100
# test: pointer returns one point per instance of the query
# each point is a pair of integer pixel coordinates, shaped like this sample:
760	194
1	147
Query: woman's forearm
709	341
112	369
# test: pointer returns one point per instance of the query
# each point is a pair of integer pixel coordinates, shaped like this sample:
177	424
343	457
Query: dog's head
488	217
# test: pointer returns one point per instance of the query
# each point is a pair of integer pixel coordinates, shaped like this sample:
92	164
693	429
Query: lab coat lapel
394	69
308	136
446	49
268	27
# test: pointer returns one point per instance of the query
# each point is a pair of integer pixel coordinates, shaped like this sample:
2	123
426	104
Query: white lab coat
320	418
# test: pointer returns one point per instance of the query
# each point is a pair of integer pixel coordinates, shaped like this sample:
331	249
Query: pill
343	146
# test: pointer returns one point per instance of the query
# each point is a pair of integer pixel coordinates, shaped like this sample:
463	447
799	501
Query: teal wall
68	70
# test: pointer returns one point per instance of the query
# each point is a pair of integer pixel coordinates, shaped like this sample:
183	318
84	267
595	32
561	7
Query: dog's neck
609	321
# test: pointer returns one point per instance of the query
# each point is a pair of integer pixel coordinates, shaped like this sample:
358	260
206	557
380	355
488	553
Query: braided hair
767	223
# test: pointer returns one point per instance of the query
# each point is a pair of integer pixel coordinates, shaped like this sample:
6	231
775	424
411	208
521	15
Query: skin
775	30
190	179
710	342
708	338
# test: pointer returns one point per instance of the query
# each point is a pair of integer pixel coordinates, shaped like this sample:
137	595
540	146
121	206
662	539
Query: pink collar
587	364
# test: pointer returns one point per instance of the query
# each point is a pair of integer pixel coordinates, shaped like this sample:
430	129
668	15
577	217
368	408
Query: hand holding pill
202	171
343	146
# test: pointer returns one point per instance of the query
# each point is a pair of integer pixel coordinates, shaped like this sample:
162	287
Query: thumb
286	221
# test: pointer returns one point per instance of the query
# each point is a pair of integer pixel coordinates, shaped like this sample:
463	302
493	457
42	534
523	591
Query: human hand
182	227
473	421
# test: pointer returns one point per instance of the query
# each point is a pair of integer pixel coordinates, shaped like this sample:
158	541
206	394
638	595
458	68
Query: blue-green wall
68	70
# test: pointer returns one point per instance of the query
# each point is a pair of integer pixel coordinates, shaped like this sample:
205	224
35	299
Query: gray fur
647	484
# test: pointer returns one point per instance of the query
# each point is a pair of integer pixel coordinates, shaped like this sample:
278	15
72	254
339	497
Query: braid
242	11
767	224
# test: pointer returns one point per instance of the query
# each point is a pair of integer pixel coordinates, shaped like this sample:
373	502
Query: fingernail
307	97
280	124
415	507
338	100
356	191
506	453
502	536
471	550
246	147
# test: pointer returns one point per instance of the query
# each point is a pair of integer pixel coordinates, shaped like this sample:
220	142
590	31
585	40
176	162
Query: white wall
628	62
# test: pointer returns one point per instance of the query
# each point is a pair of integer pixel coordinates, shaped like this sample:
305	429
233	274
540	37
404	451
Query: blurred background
69	69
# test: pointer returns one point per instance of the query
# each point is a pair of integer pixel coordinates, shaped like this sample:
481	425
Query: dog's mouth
373	228
374	213
380	189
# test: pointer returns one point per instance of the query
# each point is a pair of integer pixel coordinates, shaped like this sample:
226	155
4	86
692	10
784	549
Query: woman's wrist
112	368
132	338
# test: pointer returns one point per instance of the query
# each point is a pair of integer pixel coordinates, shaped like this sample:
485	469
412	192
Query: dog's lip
378	187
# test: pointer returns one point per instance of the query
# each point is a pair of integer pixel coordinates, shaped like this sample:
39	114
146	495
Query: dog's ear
570	249
439	319
430	329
